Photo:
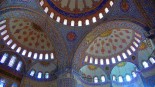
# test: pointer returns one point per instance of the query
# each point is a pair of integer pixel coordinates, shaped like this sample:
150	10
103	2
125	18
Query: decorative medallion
76	12
71	36
125	5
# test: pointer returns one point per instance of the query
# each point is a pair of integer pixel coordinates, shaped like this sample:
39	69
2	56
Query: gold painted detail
106	33
143	46
45	63
92	67
121	64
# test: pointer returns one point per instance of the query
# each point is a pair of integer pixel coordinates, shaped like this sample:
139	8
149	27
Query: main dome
76	12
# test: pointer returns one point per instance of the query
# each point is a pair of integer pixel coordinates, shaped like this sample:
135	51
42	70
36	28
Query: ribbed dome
76	12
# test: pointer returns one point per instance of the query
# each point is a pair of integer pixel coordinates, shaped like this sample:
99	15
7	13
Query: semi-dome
94	74
26	38
114	44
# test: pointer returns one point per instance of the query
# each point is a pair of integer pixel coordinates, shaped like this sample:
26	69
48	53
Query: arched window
86	59
52	15
32	73
52	56
113	60
46	9
152	60
46	75
114	78
136	45
3	33
18	49
35	55
65	22
79	23
87	22
124	55
72	23
46	56
119	58
14	85
100	15
6	37
2	83
94	19
134	74
2	27
39	75
91	60
106	10
19	66
129	52
103	78
9	42
30	54
145	64
101	62
128	78
96	61
137	40
132	48
42	3
58	19
41	56
120	79
111	3
12	61
95	80
2	22
4	57
107	61
24	52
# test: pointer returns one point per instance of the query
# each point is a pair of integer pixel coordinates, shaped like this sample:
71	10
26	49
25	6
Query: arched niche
109	43
146	54
93	74
43	70
126	74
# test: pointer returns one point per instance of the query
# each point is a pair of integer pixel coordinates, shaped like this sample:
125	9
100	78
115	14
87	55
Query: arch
2	83
120	79
96	79
38	19
145	53
32	72
104	30
128	78
39	75
47	68
46	75
124	74
103	78
92	73
19	65
152	60
145	64
13	61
